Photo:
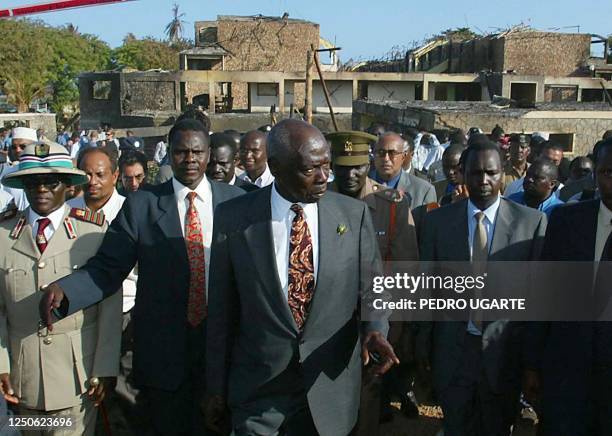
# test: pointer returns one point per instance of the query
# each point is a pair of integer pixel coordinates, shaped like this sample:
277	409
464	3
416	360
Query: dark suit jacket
243	184
147	231
518	235
256	356
566	349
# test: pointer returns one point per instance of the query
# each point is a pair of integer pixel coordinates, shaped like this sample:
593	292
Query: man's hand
7	390
376	347
459	193
531	385
215	413
98	386
52	299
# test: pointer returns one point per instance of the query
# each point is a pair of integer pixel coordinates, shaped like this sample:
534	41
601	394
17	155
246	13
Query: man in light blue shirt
540	184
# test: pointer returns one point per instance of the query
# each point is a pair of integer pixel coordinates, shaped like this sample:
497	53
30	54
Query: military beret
350	148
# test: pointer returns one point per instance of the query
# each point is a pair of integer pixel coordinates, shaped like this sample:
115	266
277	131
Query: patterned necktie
301	269
194	240
41	239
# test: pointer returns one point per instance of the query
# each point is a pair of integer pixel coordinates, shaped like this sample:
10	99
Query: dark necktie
194	240
41	239
301	281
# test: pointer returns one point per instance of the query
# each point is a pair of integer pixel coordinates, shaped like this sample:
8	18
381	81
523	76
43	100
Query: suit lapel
459	235
259	239
503	229
329	249
587	232
217	195
169	222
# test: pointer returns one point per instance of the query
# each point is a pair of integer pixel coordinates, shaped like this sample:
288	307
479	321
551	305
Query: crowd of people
223	295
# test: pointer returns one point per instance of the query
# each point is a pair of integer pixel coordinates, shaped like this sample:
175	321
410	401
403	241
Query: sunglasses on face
50	183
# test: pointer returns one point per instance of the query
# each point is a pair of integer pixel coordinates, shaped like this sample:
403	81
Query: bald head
299	158
389	153
287	137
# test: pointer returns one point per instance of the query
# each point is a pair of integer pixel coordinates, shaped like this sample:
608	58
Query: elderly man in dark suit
475	365
167	230
285	342
576	357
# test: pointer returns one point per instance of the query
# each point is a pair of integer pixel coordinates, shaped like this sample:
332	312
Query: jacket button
41	265
48	341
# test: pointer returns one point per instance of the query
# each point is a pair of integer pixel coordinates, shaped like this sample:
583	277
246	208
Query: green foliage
145	54
40	60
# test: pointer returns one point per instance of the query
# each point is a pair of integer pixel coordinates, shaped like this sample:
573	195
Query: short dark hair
111	154
457	148
218	140
193	112
549	167
133	157
187	124
457	137
552	146
599	147
479	146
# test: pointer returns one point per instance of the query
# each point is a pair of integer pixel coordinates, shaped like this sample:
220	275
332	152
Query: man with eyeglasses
61	373
133	170
389	156
255	159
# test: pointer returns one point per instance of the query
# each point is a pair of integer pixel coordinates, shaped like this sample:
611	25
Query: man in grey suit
389	152
476	366
167	230
285	343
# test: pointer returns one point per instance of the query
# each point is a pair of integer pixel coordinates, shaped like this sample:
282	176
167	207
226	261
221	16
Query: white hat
24	133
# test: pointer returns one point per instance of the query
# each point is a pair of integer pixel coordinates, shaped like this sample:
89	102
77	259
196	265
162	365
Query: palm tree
174	29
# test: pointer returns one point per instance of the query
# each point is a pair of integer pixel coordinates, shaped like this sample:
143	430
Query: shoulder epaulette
18	227
88	216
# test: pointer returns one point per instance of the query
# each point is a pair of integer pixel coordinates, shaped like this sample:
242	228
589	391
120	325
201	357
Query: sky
364	29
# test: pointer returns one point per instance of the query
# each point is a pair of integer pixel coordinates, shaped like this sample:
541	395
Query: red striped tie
41	239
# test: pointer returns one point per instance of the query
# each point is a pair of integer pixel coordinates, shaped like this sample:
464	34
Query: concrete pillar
425	88
211	97
355	89
579	94
281	96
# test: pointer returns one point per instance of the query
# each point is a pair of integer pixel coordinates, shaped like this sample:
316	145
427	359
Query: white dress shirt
56	218
489	222
604	227
265	179
5	200
203	204
282	218
233	181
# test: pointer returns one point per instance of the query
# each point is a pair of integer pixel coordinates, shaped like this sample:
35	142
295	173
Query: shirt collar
281	206
112	206
605	214
181	191
56	217
265	176
489	212
391	183
233	181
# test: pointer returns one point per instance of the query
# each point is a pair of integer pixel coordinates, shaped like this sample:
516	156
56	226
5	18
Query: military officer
59	373
396	235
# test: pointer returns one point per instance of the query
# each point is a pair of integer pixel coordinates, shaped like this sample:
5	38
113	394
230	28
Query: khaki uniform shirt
51	370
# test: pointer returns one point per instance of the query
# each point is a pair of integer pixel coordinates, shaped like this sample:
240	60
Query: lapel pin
341	229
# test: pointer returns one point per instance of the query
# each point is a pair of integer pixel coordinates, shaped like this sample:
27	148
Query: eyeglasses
392	153
50	183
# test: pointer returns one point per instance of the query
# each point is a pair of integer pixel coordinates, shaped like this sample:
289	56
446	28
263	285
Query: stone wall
31	120
546	53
